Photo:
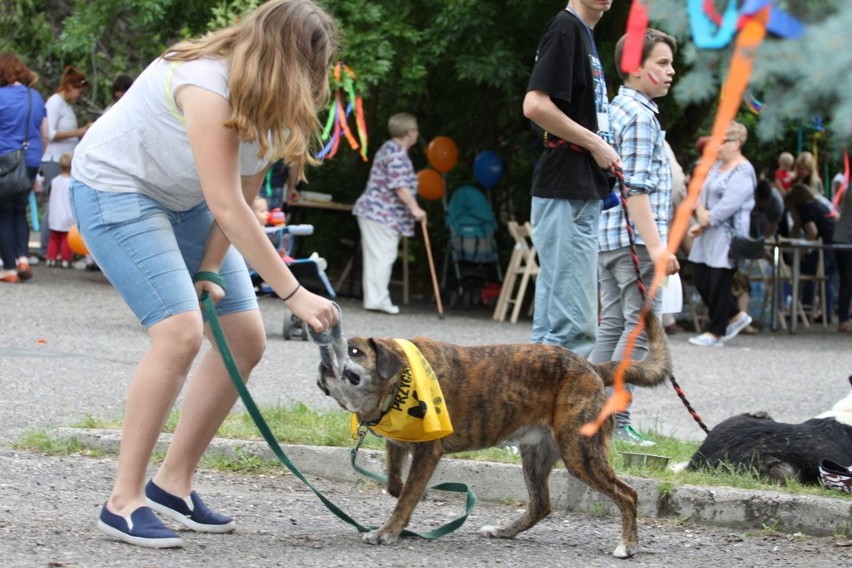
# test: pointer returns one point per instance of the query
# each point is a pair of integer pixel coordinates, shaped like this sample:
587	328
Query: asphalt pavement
68	346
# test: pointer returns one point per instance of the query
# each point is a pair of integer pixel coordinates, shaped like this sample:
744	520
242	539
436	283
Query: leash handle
470	501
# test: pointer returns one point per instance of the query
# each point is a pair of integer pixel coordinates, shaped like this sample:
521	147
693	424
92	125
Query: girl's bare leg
209	398
156	383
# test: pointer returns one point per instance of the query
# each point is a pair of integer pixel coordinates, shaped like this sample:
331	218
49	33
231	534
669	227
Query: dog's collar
390	397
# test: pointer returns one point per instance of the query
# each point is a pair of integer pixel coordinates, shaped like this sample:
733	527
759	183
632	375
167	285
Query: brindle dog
536	395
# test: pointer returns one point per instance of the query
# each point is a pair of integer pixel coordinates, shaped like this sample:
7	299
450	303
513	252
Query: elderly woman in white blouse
726	201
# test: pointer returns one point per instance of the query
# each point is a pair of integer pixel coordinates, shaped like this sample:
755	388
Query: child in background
261	210
785	175
60	219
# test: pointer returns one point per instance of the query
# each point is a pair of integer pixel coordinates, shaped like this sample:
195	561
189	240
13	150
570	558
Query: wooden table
327	205
795	246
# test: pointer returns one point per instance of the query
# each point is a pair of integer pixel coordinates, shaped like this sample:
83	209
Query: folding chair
522	267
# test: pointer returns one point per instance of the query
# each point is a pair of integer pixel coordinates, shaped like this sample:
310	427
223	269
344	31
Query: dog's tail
654	370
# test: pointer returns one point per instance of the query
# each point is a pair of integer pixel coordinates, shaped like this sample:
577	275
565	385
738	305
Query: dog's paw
624	551
493	531
394	488
379	537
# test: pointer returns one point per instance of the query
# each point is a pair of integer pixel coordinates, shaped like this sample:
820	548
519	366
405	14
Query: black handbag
746	248
14	180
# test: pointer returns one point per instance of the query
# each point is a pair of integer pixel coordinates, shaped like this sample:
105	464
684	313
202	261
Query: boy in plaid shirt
640	142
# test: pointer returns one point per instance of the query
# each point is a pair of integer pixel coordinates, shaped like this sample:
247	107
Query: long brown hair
279	58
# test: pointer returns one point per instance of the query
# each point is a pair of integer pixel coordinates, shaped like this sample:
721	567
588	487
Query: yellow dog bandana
417	412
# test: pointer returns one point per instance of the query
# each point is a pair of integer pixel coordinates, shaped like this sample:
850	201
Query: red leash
643	293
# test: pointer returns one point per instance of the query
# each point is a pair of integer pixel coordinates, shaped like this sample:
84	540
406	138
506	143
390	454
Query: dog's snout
352	377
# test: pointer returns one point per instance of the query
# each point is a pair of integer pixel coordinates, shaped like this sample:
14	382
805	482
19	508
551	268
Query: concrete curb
717	506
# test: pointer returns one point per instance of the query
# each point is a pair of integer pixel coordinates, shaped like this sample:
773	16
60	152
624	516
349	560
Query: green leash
263	427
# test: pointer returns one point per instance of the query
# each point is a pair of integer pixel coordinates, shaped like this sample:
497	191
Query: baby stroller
472	249
310	272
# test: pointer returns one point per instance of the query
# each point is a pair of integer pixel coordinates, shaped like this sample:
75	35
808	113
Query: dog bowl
649	461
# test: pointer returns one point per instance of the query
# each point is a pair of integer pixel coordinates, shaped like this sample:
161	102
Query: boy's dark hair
652	38
121	83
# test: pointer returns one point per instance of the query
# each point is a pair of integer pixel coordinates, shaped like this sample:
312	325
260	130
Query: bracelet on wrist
293	293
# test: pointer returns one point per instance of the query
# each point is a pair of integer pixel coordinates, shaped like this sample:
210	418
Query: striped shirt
640	142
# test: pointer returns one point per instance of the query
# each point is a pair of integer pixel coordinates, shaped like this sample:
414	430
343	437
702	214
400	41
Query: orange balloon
442	153
430	184
75	241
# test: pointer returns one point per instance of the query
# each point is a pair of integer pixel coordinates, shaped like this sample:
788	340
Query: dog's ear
388	361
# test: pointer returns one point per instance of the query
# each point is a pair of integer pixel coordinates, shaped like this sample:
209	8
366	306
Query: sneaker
629	435
734	328
141	528
388	309
190	512
706	340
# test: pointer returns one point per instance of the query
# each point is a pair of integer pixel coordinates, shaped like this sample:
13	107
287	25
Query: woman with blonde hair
806	172
163	185
724	208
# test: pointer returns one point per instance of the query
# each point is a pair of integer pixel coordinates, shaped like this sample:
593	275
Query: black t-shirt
820	214
566	67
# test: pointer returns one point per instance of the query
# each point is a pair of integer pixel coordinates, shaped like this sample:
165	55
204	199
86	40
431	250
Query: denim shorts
149	252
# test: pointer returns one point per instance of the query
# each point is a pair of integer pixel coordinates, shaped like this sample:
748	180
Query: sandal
24	270
11	278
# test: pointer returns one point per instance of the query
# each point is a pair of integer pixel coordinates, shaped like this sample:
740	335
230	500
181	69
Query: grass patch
298	424
45	442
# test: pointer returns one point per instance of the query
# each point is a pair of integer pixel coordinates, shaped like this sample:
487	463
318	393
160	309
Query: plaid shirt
640	142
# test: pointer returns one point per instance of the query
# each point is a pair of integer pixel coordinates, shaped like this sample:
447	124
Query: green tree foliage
795	79
462	66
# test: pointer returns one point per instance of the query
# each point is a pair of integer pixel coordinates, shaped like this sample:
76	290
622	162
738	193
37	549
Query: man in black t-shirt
566	98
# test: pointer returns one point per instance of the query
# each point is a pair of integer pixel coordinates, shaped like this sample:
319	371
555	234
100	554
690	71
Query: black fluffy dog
754	441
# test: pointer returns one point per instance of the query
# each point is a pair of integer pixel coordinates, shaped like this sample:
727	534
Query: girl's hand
215	291
318	312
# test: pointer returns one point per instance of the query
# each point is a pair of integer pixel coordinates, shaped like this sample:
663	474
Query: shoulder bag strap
26	143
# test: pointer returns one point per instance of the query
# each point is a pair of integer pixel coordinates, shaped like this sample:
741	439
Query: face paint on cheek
653	78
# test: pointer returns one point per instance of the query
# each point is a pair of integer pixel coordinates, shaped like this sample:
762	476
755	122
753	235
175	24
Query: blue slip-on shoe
141	528
190	512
